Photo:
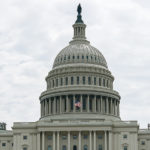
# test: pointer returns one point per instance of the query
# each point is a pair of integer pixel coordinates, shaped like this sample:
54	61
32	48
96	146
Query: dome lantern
79	26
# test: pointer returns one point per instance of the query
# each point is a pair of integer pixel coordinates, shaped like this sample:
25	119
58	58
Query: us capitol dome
79	108
80	85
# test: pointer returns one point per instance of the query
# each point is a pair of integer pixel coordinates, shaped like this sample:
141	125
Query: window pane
89	80
100	82
3	144
78	80
84	104
72	80
25	137
85	147
83	80
66	80
94	80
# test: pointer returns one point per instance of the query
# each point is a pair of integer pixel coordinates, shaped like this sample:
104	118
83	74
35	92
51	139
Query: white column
90	140
60	105
106	140
54	106
110	140
79	140
107	107
46	107
111	107
67	101
74	108
54	146
49	105
58	140
94	140
43	140
101	104
94	108
81	102
38	142
87	104
68	140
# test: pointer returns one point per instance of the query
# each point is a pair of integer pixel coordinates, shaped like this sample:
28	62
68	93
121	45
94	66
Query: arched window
49	147
85	147
74	147
64	147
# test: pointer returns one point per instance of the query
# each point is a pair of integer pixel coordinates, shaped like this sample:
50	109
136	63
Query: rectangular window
56	82
24	148
100	82
107	84
94	80
71	104
104	82
61	81
143	143
25	137
78	80
49	137
83	80
125	148
125	136
89	80
66	80
90	103
53	83
84	104
3	144
72	81
64	137
85	136
100	147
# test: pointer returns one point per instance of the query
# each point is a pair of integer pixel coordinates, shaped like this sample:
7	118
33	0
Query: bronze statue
79	9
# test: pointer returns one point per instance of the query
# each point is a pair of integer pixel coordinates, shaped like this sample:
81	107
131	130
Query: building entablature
80	90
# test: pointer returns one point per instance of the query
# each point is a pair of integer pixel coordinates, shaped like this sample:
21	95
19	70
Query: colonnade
88	103
92	141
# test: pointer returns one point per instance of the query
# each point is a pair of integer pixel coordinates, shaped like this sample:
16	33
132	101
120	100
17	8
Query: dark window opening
72	80
89	80
61	81
94	80
78	80
90	103
84	104
83	80
66	80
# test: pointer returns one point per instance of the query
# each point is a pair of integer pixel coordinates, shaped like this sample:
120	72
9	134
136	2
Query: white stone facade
80	75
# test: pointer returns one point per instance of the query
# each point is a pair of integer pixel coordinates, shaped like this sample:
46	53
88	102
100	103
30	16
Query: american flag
77	104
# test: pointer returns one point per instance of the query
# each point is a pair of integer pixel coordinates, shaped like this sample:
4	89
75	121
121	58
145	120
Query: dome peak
79	17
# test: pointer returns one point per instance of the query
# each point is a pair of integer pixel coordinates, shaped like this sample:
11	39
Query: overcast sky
32	32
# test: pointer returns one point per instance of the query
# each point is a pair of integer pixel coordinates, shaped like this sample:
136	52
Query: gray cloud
33	32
